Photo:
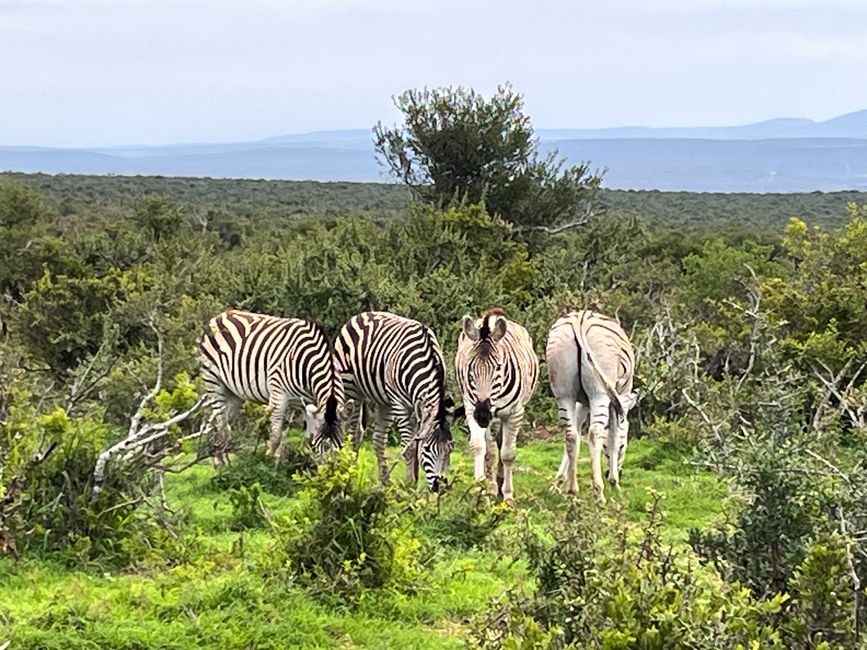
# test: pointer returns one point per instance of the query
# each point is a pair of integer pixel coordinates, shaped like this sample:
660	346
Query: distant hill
780	155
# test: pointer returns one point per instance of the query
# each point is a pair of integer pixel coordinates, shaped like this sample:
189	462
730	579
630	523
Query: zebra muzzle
483	413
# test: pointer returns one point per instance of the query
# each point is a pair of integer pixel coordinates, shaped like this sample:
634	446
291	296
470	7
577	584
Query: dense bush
253	466
596	588
464	517
347	535
47	466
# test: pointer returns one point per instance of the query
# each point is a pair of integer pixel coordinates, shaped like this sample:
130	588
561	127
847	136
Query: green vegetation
744	499
242	201
230	594
456	146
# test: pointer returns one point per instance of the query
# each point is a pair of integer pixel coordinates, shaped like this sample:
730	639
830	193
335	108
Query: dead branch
140	437
581	220
857	413
85	384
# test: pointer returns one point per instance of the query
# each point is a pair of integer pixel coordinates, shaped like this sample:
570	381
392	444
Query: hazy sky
97	72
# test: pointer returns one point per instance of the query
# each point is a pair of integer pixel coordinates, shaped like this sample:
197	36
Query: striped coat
591	364
394	365
497	371
280	362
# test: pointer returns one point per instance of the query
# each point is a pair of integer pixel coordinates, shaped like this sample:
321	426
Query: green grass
221	599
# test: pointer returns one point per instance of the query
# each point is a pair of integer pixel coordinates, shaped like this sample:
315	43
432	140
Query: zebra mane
485	329
440	379
331	402
484	345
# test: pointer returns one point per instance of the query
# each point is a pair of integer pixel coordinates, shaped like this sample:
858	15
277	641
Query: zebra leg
493	466
599	407
226	407
572	415
409	444
618	433
354	417
380	432
574	423
277	403
478	447
359	426
507	451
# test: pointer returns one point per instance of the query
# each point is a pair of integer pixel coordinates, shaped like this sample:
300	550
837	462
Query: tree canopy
456	145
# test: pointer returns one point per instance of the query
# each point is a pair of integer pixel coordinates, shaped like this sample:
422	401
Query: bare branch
84	384
137	440
580	221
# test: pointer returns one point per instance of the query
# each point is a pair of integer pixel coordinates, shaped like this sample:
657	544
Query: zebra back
602	344
389	359
258	357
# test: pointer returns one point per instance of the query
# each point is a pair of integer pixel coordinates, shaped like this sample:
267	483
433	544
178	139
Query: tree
18	205
456	146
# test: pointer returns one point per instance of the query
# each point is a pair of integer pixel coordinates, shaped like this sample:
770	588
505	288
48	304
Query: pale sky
100	72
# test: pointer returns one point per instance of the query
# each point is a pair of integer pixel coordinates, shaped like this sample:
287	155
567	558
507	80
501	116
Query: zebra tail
609	387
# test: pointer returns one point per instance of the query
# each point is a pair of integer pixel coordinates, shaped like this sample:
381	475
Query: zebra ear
499	330
469	327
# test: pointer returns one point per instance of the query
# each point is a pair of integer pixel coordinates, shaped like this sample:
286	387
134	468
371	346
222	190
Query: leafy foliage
600	591
347	536
456	146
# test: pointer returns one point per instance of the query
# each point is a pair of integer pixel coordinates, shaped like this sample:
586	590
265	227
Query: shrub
248	511
594	588
462	517
55	509
253	466
347	534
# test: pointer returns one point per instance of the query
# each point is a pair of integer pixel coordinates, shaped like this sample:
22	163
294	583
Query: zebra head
485	363
324	422
436	443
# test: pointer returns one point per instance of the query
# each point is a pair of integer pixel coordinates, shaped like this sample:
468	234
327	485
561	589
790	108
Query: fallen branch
137	440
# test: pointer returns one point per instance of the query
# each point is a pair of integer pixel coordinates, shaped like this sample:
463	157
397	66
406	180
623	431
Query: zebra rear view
274	361
591	365
394	365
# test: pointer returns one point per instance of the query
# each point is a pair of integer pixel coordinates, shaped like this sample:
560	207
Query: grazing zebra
274	361
590	365
497	372
394	365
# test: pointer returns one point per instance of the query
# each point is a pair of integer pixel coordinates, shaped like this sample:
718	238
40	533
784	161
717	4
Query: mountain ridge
777	155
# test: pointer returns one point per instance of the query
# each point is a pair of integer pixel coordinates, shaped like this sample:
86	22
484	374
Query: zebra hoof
510	501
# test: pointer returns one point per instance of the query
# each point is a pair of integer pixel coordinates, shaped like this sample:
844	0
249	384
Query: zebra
590	366
394	365
278	362
497	371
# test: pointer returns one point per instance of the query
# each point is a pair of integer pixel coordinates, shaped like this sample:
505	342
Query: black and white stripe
497	371
280	362
394	366
591	364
